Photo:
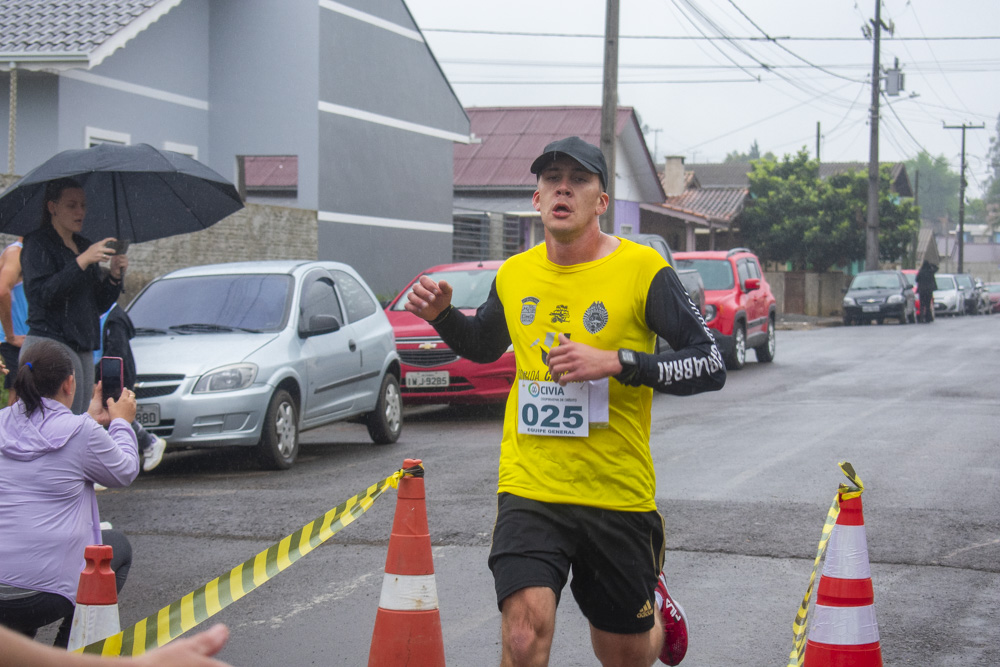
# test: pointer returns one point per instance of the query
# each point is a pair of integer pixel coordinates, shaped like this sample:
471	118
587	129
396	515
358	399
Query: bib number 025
548	409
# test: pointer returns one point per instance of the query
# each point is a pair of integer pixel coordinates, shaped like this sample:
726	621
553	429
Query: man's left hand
575	362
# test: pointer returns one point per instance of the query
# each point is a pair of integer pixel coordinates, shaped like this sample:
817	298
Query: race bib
546	408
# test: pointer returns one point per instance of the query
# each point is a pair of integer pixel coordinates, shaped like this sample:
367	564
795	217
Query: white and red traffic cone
843	631
96	614
408	625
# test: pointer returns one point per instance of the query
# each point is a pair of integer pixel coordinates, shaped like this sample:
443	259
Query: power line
707	38
902	124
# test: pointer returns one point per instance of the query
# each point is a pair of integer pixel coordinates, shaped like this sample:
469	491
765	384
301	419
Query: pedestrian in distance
66	287
926	284
50	460
194	651
577	487
13	313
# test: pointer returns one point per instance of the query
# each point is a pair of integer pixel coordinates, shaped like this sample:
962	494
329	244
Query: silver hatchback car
251	353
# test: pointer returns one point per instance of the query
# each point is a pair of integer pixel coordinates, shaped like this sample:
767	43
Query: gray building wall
385	170
37	113
263	73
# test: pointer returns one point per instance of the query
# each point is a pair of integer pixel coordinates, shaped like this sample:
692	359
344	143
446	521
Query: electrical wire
708	38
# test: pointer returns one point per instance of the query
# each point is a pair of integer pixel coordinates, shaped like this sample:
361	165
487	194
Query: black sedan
876	295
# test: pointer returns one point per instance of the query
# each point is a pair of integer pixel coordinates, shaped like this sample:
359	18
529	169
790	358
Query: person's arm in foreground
693	365
10	274
481	338
195	651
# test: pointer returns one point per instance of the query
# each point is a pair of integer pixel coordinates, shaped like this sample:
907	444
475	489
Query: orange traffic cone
408	625
843	631
96	613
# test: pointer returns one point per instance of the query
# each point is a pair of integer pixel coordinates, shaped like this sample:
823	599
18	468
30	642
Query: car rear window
470	288
715	273
256	302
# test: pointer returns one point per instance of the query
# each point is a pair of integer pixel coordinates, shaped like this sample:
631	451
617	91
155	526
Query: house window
95	135
185	149
268	179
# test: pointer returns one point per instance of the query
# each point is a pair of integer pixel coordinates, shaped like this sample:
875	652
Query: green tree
753	154
993	155
938	196
818	223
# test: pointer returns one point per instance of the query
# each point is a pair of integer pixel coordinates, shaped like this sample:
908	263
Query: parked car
252	353
876	295
949	299
739	306
689	277
431	371
973	296
911	280
993	293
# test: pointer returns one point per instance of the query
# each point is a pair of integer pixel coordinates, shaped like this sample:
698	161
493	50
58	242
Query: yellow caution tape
181	615
799	625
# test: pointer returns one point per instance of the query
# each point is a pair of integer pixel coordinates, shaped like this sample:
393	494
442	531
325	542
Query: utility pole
871	232
609	109
817	141
961	194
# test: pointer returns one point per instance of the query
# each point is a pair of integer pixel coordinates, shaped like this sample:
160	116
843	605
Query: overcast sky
701	98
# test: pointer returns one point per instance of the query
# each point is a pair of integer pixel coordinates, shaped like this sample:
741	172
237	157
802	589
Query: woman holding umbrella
65	286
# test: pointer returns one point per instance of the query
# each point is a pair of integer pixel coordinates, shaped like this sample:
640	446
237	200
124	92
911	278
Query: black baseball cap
589	155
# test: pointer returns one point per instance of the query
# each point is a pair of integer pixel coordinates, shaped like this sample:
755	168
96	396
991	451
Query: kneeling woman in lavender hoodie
49	462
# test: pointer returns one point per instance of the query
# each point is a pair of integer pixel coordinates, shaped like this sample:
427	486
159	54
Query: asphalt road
745	478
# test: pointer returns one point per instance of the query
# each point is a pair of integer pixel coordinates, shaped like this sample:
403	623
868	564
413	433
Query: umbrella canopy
135	192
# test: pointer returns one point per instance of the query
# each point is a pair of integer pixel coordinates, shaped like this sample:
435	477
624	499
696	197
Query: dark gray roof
39	27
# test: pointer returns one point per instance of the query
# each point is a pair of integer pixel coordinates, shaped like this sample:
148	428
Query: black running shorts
615	558
9	353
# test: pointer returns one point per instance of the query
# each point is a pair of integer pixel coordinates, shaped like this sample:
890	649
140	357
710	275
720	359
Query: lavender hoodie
48	509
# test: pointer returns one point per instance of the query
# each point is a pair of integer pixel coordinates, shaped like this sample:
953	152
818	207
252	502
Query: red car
739	306
993	292
431	371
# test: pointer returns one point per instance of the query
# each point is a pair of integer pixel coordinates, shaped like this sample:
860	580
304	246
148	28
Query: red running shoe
675	641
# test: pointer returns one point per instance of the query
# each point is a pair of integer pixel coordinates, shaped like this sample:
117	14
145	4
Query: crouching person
50	460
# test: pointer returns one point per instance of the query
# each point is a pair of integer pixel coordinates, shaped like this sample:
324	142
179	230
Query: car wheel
738	357
848	321
385	422
765	353
279	439
904	318
913	315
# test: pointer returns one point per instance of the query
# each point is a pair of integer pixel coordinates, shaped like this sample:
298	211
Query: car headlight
849	301
226	378
895	298
709	312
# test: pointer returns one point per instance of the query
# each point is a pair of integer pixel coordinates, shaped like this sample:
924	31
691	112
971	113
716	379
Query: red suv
739	306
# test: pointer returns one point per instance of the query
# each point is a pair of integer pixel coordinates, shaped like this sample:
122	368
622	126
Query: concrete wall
824	292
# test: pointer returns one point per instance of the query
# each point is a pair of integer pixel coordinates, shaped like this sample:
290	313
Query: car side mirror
320	324
750	284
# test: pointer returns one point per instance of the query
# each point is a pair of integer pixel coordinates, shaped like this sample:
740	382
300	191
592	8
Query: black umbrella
138	193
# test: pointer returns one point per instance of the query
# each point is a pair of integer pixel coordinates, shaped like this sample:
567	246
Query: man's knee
528	626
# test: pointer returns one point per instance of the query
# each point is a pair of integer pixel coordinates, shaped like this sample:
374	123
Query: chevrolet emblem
428	346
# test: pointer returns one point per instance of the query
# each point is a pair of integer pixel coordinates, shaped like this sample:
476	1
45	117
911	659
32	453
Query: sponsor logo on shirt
528	306
595	318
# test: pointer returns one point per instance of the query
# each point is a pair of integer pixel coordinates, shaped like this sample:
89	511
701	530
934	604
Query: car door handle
351	344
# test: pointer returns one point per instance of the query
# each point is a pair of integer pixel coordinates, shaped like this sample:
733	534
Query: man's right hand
428	299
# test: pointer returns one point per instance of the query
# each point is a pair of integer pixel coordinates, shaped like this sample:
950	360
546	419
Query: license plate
870	309
148	414
427	379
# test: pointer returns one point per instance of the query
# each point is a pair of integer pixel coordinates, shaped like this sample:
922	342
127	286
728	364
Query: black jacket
925	278
118	331
65	302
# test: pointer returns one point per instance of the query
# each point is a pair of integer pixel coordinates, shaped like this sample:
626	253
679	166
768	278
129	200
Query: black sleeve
694	364
482	337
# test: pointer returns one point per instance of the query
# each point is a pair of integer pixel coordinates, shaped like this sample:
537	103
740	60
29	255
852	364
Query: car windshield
212	304
993	287
875	281
911	279
470	288
964	279
715	273
944	282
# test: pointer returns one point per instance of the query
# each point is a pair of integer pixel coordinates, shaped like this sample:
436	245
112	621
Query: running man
577	488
